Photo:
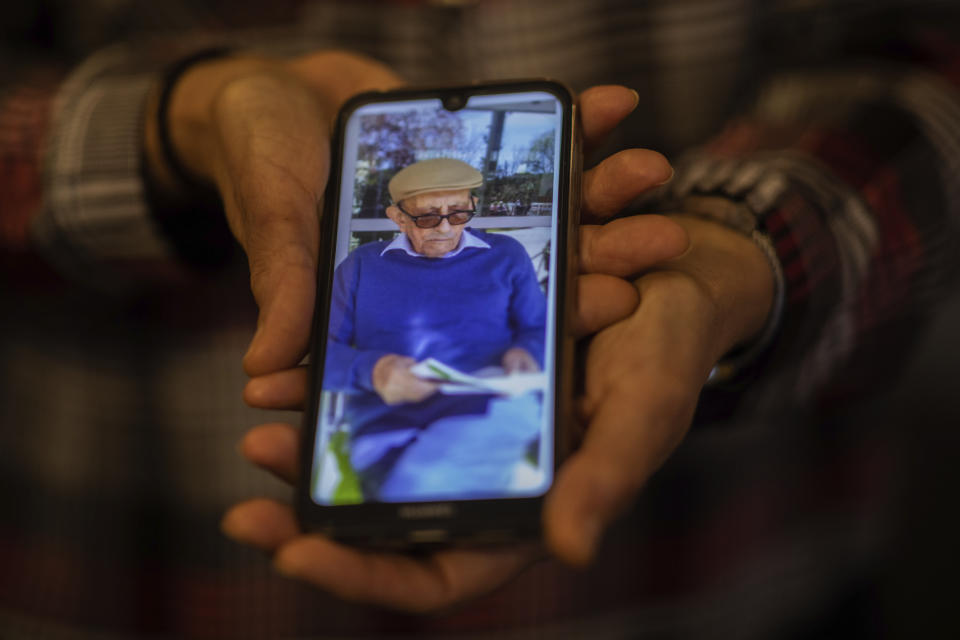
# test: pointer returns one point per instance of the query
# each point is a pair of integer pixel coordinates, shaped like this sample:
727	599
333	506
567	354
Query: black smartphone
441	360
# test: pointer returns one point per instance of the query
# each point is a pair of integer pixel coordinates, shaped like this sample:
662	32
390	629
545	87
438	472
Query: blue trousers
464	456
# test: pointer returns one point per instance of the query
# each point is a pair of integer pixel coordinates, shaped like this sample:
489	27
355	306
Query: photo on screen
438	376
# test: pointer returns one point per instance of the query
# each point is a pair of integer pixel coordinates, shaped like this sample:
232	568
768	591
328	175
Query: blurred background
119	416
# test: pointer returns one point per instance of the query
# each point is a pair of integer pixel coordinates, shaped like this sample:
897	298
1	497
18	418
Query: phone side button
428	535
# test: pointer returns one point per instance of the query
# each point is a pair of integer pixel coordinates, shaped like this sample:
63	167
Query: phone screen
439	339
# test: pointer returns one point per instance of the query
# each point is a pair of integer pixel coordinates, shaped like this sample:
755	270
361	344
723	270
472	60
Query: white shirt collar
467	239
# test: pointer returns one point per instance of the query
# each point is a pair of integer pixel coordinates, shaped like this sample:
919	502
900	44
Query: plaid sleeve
25	105
95	225
94	218
24	121
854	176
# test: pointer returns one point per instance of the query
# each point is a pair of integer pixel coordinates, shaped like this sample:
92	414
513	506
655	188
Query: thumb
271	168
282	245
620	453
595	485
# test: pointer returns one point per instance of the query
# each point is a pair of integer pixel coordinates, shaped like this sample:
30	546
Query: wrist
178	184
381	371
739	194
178	125
191	122
735	272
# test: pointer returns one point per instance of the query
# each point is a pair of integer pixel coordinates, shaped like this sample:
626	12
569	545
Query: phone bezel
381	524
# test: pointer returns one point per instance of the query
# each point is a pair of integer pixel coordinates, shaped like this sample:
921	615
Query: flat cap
436	174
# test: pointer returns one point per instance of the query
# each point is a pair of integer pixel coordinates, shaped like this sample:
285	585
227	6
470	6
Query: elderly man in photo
439	290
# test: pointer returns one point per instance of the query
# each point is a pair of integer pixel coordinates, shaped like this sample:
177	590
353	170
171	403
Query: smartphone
441	358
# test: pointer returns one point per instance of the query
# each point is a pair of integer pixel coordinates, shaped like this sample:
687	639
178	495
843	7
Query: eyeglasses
430	220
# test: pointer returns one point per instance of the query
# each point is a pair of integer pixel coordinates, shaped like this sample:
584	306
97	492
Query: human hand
395	383
644	375
519	360
607	254
447	577
258	129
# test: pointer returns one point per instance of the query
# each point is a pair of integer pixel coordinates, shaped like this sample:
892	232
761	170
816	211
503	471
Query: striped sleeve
853	176
95	225
92	215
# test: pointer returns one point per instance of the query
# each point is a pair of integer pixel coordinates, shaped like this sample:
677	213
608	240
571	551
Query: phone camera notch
454	102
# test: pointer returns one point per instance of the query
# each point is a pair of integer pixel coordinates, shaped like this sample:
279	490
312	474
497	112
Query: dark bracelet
167	83
193	221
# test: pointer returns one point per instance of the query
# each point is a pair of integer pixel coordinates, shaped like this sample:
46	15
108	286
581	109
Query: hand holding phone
621	248
446	238
258	130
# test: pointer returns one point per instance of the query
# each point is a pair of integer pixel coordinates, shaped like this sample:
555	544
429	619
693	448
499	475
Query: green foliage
540	156
528	179
522	188
348	491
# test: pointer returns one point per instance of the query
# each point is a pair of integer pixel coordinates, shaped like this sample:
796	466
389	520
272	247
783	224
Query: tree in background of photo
389	142
523	185
517	183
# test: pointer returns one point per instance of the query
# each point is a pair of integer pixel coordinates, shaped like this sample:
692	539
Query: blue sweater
465	310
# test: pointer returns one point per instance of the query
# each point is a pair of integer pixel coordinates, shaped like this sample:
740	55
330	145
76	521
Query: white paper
489	380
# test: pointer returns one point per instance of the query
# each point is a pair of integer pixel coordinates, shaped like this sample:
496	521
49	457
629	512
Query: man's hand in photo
519	360
395	383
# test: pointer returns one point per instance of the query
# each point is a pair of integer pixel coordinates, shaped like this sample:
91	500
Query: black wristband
167	84
192	221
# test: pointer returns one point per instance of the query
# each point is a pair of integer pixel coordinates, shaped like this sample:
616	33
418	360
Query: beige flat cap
437	174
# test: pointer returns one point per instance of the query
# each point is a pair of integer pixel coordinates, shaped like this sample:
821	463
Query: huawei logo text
420	511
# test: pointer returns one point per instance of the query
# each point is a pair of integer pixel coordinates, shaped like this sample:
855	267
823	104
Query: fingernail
669	178
636	99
